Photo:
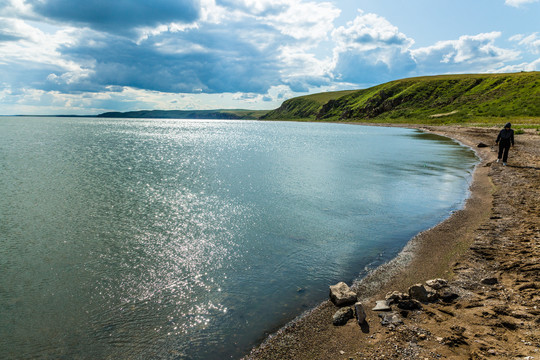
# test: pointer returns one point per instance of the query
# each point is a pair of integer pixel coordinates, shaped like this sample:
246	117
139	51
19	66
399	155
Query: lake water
179	239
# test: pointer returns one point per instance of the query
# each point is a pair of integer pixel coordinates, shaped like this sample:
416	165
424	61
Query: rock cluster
431	291
342	296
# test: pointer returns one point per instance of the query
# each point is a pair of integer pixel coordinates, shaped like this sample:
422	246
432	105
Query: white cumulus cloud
530	42
518	3
468	53
370	49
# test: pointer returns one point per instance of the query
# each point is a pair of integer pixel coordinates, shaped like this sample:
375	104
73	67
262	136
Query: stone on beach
395	297
390	318
447	296
409	304
342	316
421	293
342	295
360	313
381	305
437	284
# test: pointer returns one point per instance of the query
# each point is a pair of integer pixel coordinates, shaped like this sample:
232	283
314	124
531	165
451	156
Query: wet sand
488	251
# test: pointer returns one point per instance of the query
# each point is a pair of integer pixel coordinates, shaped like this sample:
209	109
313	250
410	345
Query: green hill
304	107
445	98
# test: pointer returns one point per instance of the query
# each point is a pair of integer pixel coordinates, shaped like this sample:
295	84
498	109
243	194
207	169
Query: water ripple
191	239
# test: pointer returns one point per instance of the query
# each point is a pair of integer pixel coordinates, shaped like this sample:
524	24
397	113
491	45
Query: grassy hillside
304	107
434	99
188	114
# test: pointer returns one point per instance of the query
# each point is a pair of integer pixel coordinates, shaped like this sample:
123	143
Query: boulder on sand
421	293
342	316
342	295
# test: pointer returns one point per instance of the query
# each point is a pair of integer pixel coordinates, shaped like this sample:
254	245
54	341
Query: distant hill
457	98
189	114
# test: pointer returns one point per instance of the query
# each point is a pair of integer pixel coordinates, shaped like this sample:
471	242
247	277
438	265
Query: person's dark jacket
506	135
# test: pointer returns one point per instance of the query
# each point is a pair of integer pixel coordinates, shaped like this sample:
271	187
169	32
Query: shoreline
444	251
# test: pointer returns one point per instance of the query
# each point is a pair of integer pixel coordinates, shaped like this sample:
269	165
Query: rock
360	313
390	318
421	293
482	145
342	316
447	296
342	295
418	292
437	284
395	296
409	304
382	305
490	281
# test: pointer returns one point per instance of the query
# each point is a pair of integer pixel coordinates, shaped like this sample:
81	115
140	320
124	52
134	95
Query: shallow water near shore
192	239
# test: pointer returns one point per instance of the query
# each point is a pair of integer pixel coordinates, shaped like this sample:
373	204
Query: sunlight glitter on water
191	239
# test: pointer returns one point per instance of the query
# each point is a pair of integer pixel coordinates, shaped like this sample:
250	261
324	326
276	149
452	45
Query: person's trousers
503	151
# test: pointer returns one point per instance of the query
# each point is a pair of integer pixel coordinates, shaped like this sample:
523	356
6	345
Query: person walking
505	139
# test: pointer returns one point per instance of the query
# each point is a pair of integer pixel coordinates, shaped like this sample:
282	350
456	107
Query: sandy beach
489	253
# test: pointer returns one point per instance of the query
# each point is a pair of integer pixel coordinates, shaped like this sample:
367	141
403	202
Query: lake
195	239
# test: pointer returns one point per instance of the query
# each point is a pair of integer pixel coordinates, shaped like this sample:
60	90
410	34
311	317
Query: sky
85	57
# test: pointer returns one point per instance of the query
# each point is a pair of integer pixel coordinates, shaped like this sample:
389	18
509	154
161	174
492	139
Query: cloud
370	50
473	53
303	69
118	15
305	20
518	3
369	31
526	66
255	7
114	55
30	56
7	31
240	46
531	42
15	30
197	60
